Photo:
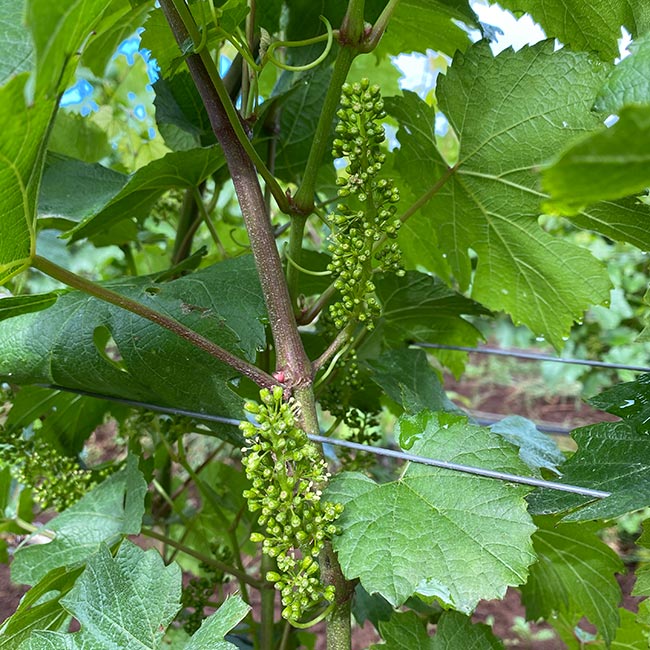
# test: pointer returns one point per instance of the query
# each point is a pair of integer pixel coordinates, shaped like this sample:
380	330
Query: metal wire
378	451
534	356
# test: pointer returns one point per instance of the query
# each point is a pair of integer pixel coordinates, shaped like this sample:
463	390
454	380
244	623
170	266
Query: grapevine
287	474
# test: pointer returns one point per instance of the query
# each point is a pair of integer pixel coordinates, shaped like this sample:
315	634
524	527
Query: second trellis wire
378	451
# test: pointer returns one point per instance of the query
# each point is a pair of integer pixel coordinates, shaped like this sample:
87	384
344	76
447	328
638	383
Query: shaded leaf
407	377
404	630
457	631
17	305
574	575
457	537
510	114
126	601
76	136
84	343
591	26
609	164
184	169
536	449
420	308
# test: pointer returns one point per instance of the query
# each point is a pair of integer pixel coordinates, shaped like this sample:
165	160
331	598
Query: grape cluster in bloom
369	212
287	474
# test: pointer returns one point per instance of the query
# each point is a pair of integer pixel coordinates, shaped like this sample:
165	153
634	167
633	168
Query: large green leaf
574	575
454	536
591	26
610	164
421	25
18	52
126	601
511	113
59	29
101	198
611	456
113	509
67	344
22	149
629	81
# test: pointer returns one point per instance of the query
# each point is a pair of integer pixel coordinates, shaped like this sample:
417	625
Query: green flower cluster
287	473
57	481
369	215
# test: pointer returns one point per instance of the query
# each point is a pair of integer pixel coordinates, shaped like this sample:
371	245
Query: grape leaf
629	81
611	456
510	113
591	26
642	584
126	601
609	164
59	29
407	377
67	344
18	50
112	509
457	537
17	305
407	630
76	136
574	574
421	25
420	308
40	608
22	149
210	635
536	449
185	169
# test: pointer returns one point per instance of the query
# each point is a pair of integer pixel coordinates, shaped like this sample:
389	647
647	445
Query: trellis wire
379	451
534	356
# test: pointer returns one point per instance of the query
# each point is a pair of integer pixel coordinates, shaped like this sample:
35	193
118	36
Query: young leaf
454	536
113	509
126	601
629	81
574	575
610	164
510	114
590	26
210	635
152	364
536	449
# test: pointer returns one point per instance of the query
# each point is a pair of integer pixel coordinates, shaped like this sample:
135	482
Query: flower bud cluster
287	473
57	481
369	212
